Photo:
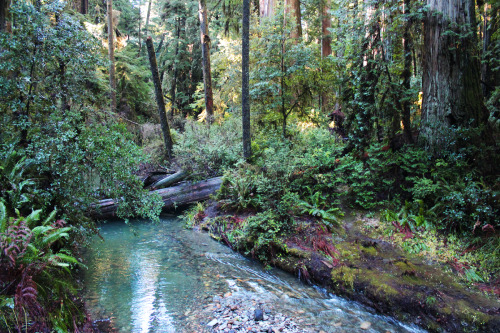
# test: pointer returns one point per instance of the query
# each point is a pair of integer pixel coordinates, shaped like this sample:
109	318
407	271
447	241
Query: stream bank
162	277
359	264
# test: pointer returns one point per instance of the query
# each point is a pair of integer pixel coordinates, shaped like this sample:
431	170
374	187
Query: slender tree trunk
140	32
147	18
174	78
326	43
490	26
167	138
111	51
205	50
406	75
451	84
245	98
84	6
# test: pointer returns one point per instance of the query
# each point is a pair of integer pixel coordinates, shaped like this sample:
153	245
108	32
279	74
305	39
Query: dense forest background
381	105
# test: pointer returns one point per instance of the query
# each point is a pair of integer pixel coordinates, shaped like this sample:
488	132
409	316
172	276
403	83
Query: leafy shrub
35	274
207	151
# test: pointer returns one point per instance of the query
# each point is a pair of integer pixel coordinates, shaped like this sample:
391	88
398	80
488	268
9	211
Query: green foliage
207	151
36	273
60	150
260	234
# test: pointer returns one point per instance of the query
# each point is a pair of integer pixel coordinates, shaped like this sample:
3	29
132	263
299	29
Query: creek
150	277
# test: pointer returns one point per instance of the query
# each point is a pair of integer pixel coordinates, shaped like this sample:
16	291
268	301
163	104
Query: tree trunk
245	98
294	7
490	26
326	43
406	75
147	18
172	197
267	7
451	84
111	51
174	78
140	32
4	14
205	50
167	138
84	7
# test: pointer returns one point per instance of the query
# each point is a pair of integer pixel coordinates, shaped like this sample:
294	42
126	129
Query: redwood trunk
167	138
406	75
111	50
205	50
451	75
245	98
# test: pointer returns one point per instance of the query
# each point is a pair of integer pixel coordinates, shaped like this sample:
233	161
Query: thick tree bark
294	7
451	84
167	138
111	52
406	75
205	50
245	98
326	23
172	197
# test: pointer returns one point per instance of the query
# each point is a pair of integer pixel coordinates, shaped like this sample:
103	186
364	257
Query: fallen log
172	197
169	180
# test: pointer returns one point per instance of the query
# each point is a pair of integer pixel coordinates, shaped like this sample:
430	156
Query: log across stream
179	195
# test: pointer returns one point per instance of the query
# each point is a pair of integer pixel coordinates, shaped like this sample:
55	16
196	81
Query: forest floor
361	261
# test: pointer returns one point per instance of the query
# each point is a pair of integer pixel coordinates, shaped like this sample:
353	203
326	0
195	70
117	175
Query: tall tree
84	6
205	47
406	75
167	138
267	7
4	9
293	6
147	18
245	98
451	75
111	52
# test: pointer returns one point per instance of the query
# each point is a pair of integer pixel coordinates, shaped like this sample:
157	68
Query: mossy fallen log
172	197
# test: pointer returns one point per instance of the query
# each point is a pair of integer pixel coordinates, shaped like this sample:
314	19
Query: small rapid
147	277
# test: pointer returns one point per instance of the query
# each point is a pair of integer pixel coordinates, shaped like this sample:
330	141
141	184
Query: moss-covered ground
364	262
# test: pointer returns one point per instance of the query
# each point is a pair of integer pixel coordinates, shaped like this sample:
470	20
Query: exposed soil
355	262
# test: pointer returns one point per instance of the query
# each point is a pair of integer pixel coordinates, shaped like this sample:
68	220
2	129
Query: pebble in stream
237	314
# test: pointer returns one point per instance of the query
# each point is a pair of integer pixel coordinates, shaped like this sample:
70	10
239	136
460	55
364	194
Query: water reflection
158	278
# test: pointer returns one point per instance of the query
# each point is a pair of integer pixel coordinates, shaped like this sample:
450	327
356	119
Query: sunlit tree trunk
267	8
245	98
111	51
205	50
451	75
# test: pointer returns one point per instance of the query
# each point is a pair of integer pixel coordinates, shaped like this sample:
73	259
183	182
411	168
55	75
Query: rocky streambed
148	277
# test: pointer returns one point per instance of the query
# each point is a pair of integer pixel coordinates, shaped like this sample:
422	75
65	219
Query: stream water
148	277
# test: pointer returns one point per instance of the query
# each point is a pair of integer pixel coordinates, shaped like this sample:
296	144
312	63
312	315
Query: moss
371	251
344	276
293	251
348	252
379	284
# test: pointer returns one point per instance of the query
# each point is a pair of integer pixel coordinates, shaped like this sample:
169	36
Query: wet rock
258	315
365	325
213	323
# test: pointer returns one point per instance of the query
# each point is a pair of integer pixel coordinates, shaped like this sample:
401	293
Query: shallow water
148	277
